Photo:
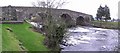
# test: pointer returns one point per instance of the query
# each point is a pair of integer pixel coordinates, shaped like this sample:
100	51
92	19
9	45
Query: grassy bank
0	38
21	38
108	25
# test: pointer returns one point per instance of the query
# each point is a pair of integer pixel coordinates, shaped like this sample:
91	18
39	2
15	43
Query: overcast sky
85	6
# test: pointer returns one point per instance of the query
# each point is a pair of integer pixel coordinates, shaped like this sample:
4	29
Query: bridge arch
68	19
80	20
66	16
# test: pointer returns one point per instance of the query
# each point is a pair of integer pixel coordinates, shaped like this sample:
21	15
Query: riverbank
0	38
20	37
106	25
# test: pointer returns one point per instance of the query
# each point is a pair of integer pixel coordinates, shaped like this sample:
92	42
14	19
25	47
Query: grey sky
85	6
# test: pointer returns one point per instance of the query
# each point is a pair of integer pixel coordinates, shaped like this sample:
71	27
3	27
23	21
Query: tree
103	12
99	13
54	29
107	13
49	3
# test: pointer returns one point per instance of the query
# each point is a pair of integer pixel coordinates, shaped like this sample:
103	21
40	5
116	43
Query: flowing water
90	39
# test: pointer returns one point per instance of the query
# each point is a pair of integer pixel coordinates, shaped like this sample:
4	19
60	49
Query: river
90	39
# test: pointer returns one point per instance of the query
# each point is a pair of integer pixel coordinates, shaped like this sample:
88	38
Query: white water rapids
90	39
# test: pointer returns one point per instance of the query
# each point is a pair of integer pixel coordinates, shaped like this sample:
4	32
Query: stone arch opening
80	20
68	20
66	16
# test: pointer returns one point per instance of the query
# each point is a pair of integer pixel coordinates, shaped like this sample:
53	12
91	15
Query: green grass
110	25
31	41
0	38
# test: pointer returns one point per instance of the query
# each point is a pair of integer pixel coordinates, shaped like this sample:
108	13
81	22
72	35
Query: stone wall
12	22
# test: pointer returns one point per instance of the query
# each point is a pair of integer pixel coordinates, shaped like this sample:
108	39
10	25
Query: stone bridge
23	12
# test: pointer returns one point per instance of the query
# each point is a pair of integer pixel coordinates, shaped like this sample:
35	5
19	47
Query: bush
54	34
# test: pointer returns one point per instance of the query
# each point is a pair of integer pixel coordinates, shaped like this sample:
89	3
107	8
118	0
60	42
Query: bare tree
49	3
54	29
